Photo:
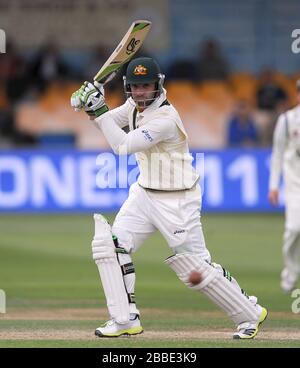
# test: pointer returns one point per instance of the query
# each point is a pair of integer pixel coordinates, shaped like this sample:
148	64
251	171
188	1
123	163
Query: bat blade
126	49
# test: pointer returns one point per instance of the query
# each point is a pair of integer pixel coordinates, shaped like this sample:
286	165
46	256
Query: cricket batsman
166	198
286	160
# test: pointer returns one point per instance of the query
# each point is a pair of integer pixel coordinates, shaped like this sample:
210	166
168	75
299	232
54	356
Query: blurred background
230	71
231	68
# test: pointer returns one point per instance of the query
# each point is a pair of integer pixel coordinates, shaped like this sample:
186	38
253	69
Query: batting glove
76	102
91	98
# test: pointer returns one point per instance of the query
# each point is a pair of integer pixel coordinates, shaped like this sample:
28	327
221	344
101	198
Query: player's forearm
139	139
114	135
279	143
120	142
275	170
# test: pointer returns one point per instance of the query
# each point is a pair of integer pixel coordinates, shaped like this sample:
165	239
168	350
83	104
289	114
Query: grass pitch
54	297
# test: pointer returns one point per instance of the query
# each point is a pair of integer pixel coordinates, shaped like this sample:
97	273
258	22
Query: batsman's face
141	93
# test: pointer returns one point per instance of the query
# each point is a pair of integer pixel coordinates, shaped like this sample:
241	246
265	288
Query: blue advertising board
87	181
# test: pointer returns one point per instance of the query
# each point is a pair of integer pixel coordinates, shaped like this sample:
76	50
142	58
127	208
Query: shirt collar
155	104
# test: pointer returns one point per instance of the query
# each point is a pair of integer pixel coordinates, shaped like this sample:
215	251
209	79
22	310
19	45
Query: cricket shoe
288	281
249	330
113	329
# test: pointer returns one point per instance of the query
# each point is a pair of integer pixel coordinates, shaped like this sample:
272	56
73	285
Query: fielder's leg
111	274
220	291
291	250
291	243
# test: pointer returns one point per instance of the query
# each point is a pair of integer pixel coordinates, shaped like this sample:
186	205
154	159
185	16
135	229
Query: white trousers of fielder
291	238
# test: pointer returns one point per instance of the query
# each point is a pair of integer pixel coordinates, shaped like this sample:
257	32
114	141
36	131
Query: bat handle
98	84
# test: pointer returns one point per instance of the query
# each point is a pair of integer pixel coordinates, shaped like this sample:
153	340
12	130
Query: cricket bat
125	50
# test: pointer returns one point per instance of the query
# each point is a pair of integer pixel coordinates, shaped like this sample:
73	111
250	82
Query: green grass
46	263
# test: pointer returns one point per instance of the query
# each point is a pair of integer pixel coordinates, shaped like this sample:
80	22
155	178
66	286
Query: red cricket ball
195	277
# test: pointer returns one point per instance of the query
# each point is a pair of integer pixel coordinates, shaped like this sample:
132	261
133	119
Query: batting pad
216	287
104	254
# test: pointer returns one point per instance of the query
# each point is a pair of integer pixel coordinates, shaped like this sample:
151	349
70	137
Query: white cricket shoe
288	281
249	330
113	329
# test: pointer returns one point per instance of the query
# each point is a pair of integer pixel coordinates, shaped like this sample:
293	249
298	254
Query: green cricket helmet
144	70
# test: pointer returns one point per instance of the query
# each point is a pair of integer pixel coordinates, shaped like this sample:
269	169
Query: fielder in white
166	197
286	160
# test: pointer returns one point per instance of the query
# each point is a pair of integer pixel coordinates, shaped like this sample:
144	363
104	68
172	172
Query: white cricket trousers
291	238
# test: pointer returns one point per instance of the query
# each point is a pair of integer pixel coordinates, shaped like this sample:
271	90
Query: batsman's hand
76	102
91	98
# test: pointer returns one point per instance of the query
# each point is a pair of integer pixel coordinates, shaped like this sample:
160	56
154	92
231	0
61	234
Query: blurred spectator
182	69
47	66
212	65
8	131
13	85
271	100
269	94
242	130
98	58
13	74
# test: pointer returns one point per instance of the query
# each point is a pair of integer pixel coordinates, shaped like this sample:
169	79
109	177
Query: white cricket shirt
157	138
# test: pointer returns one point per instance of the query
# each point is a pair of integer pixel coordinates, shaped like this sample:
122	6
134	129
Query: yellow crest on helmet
140	70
